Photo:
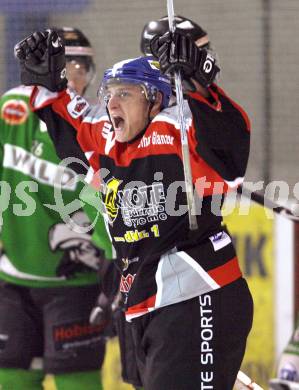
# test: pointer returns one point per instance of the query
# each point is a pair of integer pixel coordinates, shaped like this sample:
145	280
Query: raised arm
222	132
221	126
42	62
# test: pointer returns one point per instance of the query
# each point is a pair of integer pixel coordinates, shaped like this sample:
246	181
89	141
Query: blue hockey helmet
144	71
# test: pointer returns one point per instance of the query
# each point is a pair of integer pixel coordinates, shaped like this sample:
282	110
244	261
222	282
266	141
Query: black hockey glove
104	312
178	52
101	314
42	60
109	301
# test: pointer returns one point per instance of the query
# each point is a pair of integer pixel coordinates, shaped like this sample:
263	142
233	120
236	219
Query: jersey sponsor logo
206	336
42	171
156	139
144	204
126	283
138	204
14	112
110	200
132	236
220	240
77	106
127	262
76	334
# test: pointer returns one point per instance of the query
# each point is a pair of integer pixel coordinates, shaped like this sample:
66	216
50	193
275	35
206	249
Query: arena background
257	42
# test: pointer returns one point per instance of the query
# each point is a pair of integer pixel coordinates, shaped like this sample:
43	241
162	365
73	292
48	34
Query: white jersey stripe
204	275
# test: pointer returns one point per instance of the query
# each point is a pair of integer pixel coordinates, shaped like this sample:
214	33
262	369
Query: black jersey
143	193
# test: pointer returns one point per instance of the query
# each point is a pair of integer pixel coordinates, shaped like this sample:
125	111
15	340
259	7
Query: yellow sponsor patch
111	199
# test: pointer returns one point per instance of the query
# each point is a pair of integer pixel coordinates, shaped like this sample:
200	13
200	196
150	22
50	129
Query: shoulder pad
170	115
21	90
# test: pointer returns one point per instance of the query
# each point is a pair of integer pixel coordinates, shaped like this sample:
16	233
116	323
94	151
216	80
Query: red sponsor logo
126	283
77	106
80	107
14	112
76	331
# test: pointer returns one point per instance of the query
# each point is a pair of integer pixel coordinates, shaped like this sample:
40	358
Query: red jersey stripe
226	273
142	307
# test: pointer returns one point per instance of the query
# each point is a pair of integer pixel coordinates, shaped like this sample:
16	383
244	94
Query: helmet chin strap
151	105
140	134
112	128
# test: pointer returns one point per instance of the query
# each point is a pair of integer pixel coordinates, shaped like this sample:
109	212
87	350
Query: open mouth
118	123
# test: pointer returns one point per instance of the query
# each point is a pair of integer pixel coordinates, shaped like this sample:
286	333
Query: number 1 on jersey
155	230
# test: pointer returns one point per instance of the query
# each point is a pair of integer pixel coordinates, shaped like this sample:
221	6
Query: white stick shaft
244	382
183	130
170	14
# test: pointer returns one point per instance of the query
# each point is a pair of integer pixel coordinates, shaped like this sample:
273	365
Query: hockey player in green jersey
48	271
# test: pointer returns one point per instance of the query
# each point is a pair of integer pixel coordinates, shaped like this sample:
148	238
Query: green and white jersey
35	240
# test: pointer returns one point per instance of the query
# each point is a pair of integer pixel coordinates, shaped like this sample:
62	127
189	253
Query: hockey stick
260	198
244	382
242	379
183	130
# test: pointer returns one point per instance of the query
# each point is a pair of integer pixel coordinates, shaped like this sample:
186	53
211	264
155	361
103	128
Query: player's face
77	76
128	109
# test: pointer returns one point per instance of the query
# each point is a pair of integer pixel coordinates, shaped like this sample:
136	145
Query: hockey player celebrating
189	307
48	271
150	30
